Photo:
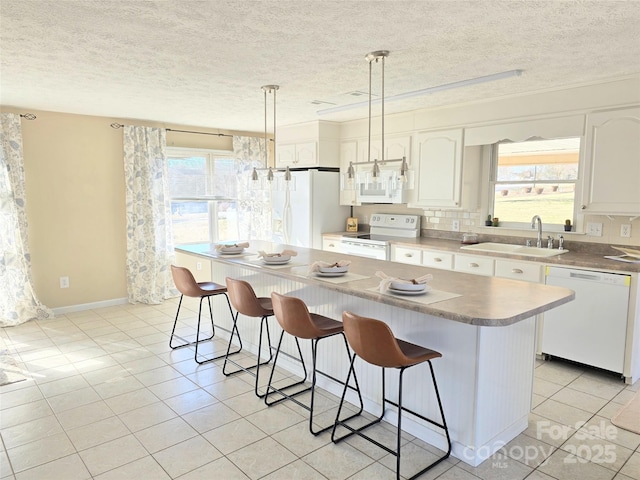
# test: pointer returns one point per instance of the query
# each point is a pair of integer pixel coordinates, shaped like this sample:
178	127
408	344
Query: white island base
485	374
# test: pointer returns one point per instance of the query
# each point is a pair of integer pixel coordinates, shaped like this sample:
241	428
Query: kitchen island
484	327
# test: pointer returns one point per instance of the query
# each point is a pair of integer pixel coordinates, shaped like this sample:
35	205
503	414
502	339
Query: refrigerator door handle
287	218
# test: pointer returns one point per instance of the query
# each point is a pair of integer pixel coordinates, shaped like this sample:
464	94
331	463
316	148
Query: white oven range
384	227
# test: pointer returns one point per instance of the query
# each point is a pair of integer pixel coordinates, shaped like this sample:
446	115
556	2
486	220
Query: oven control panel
388	220
405	226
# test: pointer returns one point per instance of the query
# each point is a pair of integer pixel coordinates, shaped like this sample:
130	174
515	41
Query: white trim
90	306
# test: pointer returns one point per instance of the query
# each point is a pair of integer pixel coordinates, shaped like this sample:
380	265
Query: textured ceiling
202	63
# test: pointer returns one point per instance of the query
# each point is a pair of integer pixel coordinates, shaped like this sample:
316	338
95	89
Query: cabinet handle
437	259
331	245
473	265
583	207
516	270
408	255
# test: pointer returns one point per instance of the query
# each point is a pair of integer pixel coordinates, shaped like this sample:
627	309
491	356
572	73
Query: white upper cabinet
297	155
437	160
312	144
611	176
395	148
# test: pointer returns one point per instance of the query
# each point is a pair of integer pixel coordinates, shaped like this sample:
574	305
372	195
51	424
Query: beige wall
76	203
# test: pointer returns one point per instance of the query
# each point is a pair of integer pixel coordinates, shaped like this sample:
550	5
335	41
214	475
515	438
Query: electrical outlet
199	266
625	230
455	226
594	229
64	282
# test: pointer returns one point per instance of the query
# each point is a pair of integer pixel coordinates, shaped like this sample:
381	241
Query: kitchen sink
508	248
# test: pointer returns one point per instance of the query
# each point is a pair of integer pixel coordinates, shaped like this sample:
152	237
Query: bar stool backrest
243	298
373	341
186	283
293	316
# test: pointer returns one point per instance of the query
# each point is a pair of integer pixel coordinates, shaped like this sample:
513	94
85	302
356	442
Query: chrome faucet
537	219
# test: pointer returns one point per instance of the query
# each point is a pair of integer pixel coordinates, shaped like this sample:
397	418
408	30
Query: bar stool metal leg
374	342
312	387
264	325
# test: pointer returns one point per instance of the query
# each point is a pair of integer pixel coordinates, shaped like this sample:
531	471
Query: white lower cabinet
526	271
331	244
474	264
436	259
406	255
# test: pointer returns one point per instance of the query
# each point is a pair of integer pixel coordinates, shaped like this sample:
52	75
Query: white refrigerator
301	214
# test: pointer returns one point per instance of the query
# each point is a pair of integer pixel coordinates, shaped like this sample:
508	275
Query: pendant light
270	177
404	179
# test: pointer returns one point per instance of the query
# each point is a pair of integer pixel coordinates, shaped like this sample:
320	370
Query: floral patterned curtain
149	236
18	301
254	206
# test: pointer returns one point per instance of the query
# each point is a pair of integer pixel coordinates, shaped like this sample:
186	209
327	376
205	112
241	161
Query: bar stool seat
374	342
187	285
244	300
294	318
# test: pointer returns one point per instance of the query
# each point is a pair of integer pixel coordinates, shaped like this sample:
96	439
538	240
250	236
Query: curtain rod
119	125
28	116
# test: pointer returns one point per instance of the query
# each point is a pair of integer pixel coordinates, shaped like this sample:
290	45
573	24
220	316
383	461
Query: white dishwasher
591	329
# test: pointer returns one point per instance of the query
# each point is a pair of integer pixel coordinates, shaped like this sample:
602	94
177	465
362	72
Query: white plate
408	292
231	252
415	287
330	274
333	269
276	261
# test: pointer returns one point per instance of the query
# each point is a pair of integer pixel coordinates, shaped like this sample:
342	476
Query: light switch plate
455	226
594	229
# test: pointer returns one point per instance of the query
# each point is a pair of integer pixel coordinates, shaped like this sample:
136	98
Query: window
535	177
203	189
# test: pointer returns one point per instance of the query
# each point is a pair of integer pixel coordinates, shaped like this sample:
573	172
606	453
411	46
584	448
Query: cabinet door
406	255
363	150
437	160
306	154
396	148
473	264
331	244
527	271
286	155
435	259
348	153
612	163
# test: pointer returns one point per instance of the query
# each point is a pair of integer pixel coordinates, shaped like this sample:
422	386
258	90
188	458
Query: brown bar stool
187	285
294	318
374	342
244	300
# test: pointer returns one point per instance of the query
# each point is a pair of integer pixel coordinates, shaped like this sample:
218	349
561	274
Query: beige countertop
482	301
582	256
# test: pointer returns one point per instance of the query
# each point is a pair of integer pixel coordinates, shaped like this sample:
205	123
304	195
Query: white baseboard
89	306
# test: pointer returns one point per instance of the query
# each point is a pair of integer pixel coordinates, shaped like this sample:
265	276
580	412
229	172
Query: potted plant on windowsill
567	225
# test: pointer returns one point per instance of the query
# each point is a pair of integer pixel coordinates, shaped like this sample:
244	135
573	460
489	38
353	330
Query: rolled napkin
221	246
386	280
284	253
316	266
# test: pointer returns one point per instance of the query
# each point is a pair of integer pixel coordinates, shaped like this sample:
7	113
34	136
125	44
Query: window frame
212	200
493	182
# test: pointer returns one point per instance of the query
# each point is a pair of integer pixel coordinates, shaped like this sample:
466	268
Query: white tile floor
107	399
